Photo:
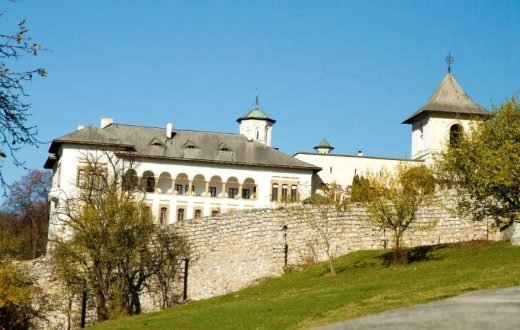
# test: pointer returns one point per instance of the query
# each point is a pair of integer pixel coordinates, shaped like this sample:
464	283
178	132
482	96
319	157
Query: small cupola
256	124
324	147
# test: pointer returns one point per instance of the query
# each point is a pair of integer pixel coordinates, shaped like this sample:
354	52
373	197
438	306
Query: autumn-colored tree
109	242
484	166
26	205
16	289
393	199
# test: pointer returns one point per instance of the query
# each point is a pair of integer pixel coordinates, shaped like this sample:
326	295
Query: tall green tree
484	166
392	200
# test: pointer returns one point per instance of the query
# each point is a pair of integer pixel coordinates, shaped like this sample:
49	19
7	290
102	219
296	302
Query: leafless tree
15	129
28	214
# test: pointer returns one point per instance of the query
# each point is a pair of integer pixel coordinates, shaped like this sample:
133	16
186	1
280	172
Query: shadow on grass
411	255
356	265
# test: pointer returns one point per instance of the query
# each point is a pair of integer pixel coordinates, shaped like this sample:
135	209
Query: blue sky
350	71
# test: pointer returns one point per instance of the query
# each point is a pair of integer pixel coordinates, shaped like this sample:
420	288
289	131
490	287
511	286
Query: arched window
148	181
130	180
455	134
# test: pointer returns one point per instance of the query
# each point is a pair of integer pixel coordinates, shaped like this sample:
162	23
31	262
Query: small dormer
256	125
324	147
224	152
191	150
223	147
190	145
156	142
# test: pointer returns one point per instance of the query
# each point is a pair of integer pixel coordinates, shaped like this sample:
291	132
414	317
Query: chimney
169	128
359	153
80	127
105	122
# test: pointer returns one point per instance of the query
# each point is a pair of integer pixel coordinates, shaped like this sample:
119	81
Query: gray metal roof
185	145
449	97
356	156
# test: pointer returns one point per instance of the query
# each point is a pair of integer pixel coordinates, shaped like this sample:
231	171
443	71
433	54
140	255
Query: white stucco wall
71	157
431	134
341	169
250	127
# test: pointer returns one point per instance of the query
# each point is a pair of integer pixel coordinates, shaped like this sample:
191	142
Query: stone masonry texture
235	250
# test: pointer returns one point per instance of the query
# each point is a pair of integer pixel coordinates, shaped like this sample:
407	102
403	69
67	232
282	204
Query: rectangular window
284	193
148	211
59	175
91	178
246	193
214	213
80	181
294	193
163	216
180	214
178	188
274	193
213	191
232	192
197	213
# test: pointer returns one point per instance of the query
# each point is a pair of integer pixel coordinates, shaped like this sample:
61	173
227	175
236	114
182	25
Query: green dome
256	113
324	144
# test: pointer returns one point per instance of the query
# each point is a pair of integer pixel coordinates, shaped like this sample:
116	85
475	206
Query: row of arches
196	186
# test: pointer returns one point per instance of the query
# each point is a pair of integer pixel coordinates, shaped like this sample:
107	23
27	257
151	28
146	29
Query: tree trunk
331	264
398	253
101	306
135	303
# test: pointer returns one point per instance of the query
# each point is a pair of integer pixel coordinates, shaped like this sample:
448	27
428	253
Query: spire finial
449	59
256	100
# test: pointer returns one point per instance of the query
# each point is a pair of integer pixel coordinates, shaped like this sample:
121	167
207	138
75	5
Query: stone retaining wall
235	250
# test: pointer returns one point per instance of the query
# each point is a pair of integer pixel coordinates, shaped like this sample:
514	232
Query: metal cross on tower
449	59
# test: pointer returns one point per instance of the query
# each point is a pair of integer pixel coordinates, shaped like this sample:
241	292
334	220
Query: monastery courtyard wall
235	250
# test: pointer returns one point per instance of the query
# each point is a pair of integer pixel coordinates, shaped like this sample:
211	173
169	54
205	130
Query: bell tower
256	125
447	114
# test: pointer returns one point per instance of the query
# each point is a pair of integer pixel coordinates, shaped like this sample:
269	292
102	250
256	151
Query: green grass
362	286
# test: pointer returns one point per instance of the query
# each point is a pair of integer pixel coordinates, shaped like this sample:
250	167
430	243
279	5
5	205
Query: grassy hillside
363	285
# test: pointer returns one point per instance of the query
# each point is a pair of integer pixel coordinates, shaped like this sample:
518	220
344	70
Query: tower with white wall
256	125
448	113
324	147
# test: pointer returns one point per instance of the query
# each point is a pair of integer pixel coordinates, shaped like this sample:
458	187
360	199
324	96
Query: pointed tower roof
449	97
256	113
324	144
